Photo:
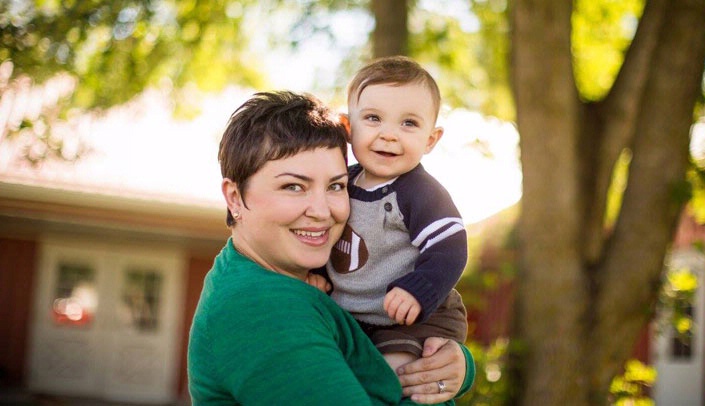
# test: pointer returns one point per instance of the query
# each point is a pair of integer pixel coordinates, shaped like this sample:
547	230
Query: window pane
75	298
141	299
682	341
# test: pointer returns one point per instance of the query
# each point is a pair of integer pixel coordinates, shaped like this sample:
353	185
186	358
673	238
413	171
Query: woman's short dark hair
275	125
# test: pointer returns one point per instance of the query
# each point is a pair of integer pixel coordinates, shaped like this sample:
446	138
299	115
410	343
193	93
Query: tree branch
634	259
617	118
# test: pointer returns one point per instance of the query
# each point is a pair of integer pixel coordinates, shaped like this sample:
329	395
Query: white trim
435	226
680	382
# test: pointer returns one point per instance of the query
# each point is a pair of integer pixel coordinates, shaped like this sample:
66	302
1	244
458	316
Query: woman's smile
317	237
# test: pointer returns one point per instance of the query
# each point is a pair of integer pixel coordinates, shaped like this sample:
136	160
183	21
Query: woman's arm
442	360
302	376
303	349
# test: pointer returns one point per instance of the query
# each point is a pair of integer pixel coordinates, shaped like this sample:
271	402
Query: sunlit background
145	147
116	212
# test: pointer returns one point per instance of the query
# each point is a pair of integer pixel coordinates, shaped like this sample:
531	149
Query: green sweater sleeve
469	372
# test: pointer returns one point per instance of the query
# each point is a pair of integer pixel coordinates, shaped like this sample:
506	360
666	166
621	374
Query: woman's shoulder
246	286
239	294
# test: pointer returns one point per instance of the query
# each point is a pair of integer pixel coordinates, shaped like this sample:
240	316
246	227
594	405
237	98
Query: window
75	299
141	299
682	340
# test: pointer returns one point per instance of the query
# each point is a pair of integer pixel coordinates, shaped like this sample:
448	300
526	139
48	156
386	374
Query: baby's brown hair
393	70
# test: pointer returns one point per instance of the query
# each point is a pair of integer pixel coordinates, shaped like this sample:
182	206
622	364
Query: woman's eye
372	117
293	187
337	187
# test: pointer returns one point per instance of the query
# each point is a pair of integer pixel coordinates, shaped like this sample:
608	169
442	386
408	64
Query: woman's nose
318	206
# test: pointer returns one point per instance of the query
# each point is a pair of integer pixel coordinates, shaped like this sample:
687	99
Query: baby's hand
318	281
401	306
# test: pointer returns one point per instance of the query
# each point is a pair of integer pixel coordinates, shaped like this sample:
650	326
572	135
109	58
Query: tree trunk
390	36
584	294
550	265
634	256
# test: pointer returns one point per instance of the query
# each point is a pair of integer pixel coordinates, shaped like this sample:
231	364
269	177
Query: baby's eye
372	117
410	123
293	187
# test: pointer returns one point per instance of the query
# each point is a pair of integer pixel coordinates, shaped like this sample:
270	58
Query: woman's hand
442	361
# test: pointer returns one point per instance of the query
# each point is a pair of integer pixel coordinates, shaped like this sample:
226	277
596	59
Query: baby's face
391	128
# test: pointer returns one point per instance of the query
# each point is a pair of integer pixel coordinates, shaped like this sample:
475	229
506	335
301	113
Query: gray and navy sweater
407	234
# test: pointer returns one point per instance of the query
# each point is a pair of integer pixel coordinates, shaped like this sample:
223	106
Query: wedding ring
441	386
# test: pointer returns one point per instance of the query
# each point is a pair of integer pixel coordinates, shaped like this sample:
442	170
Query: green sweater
261	338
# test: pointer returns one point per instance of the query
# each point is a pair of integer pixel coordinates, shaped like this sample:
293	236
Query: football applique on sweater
350	252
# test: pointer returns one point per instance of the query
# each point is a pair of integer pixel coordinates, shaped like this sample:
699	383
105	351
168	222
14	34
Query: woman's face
296	210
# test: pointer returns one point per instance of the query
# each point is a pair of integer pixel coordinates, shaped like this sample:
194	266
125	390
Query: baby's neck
364	182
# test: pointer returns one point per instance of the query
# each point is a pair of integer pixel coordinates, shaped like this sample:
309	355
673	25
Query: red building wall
17	265
197	269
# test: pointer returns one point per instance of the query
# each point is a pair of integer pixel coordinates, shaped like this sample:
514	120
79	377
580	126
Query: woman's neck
244	250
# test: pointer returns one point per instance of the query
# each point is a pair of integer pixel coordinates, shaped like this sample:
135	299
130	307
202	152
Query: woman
261	335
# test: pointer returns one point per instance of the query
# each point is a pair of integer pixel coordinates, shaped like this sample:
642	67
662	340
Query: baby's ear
345	120
433	139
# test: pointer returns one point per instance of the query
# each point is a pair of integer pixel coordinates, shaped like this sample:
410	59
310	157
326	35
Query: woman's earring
236	215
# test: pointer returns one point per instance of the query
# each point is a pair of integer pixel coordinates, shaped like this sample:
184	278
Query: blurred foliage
492	245
118	48
602	31
491	265
470	50
492	386
696	177
632	388
108	52
618	183
676	303
467	51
